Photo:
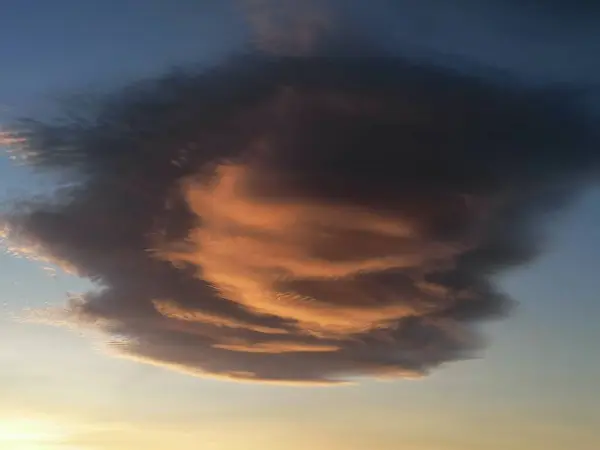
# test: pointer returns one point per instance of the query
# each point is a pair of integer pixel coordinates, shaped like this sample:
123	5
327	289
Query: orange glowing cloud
251	250
310	219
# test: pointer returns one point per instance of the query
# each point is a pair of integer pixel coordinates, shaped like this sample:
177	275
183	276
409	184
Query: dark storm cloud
307	219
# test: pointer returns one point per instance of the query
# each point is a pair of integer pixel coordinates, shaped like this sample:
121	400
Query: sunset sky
533	387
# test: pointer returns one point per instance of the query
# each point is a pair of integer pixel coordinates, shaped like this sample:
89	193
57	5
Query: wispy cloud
288	26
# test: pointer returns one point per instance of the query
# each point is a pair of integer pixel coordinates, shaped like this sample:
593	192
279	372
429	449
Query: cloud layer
304	219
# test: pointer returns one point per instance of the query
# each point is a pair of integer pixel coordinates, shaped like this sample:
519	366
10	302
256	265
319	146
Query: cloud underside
303	220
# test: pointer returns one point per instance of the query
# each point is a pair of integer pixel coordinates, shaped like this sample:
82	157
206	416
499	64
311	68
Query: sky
532	387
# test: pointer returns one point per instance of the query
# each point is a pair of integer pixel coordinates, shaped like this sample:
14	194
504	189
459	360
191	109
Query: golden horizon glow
26	432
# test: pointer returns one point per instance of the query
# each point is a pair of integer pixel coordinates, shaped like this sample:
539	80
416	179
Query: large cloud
307	219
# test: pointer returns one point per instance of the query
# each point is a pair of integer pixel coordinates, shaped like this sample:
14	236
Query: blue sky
535	386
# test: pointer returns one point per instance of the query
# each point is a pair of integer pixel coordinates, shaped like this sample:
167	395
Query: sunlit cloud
308	220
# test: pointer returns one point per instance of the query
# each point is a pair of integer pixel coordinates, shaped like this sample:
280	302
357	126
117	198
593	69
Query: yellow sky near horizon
300	427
